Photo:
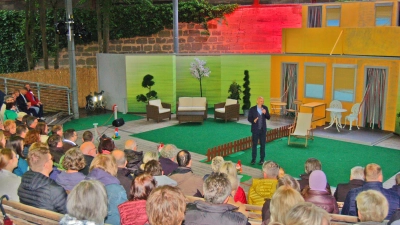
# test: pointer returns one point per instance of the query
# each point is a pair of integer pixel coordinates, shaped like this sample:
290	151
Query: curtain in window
289	84
314	16
374	96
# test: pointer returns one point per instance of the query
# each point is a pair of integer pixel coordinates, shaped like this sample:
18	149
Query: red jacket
31	98
240	196
133	212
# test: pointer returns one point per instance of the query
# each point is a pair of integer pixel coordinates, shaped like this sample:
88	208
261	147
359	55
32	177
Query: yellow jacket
260	190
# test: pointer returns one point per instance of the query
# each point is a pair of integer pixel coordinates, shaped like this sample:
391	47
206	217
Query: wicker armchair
227	110
158	110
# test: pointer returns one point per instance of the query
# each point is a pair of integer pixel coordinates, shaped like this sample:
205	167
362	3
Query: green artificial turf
102	120
337	157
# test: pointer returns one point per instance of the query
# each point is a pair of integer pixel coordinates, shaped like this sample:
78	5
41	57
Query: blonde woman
229	169
147	157
216	164
283	199
307	213
9	182
235	184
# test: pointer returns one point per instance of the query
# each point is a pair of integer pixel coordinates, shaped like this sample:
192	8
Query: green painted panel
162	69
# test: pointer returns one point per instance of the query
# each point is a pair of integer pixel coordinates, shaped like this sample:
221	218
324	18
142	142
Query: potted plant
199	70
246	93
147	83
235	90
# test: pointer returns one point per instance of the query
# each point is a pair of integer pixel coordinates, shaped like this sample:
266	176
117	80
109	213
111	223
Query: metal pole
71	55
176	26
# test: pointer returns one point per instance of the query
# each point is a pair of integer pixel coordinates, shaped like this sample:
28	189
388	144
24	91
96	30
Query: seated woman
230	169
284	198
373	207
31	137
216	164
318	194
10	128
235	184
43	130
133	212
146	158
153	167
106	146
9	182
306	214
86	204
55	145
17	144
104	168
72	163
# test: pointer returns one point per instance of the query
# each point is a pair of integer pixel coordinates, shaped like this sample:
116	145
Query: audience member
57	129
230	169
264	188
72	163
123	173
104	169
106	146
24	105
31	122
86	204
21	131
10	113
282	201
373	181
216	163
168	158
43	131
133	211
281	172
317	193
231	200
153	167
17	144
2	139
190	183
133	156
34	100
372	206
31	137
307	213
18	121
395	219
171	206
87	136
55	145
356	180
10	128
9	182
89	151
146	158
396	187
310	165
36	188
70	138
214	209
25	119
286	180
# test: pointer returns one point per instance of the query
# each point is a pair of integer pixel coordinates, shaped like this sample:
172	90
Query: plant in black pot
234	91
246	93
147	83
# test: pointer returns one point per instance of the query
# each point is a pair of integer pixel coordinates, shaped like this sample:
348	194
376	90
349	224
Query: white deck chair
303	128
353	115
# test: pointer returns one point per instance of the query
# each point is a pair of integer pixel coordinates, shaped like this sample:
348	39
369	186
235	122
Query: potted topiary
246	93
147	83
235	91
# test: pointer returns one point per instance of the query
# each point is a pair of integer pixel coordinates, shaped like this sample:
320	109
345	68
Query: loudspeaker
118	122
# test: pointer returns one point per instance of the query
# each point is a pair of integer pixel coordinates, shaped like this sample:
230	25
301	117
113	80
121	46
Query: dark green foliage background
142	18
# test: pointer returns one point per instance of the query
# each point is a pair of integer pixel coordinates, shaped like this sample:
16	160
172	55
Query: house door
374	98
289	84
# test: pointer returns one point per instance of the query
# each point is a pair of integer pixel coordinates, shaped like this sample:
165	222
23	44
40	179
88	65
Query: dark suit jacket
21	104
253	114
343	189
68	145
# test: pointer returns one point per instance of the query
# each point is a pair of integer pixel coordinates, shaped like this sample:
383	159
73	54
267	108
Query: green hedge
142	18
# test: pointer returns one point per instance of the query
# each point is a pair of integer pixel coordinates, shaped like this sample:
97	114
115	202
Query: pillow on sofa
230	102
156	102
185	102
199	102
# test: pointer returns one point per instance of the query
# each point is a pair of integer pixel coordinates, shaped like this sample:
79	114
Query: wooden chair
275	109
227	110
302	128
297	103
158	110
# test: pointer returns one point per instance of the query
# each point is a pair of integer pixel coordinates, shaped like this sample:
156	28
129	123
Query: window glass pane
343	84
315	81
314	16
332	17
383	15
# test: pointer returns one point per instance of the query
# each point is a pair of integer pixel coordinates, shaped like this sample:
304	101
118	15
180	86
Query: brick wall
248	30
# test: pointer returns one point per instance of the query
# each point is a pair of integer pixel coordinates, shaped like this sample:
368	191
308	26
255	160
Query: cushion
220	110
183	108
199	102
230	102
185	101
163	110
194	108
156	102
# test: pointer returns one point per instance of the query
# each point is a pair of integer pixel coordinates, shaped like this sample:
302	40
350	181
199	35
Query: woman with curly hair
72	163
31	137
10	128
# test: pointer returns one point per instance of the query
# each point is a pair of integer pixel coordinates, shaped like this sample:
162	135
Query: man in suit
356	180
70	138
23	105
258	116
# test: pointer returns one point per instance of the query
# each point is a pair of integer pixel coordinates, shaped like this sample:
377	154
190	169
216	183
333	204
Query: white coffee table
335	112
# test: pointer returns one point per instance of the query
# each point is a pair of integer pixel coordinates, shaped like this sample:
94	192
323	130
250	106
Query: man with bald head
89	151
133	156
123	173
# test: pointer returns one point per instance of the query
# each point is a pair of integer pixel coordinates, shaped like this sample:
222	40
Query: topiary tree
147	83
246	92
235	90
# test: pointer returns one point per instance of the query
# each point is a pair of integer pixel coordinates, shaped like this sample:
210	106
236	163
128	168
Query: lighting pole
71	56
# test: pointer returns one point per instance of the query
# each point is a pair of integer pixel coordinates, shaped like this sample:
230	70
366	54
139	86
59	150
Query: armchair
227	110
158	110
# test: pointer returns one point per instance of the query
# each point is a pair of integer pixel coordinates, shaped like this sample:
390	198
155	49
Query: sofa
227	110
191	109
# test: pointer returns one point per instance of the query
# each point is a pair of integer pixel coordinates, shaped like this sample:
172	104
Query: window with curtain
332	16
314	81
383	14
344	80
314	16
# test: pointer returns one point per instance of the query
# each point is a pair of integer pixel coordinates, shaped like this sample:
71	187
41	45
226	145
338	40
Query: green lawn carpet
87	122
337	157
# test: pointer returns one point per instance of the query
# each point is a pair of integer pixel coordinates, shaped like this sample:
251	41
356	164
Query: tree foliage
151	94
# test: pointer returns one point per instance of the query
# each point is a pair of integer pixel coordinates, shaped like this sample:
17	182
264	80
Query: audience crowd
45	167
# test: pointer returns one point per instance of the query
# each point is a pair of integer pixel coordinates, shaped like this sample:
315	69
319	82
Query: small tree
198	70
246	92
147	83
235	90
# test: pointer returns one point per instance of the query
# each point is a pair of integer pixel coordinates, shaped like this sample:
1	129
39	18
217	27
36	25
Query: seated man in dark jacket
134	157
36	188
373	181
396	187
168	158
214	210
89	151
123	173
356	180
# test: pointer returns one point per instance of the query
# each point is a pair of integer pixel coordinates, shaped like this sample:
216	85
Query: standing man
257	117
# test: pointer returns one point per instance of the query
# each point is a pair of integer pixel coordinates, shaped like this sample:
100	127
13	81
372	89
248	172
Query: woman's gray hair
357	172
228	168
216	163
169	151
217	188
88	201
